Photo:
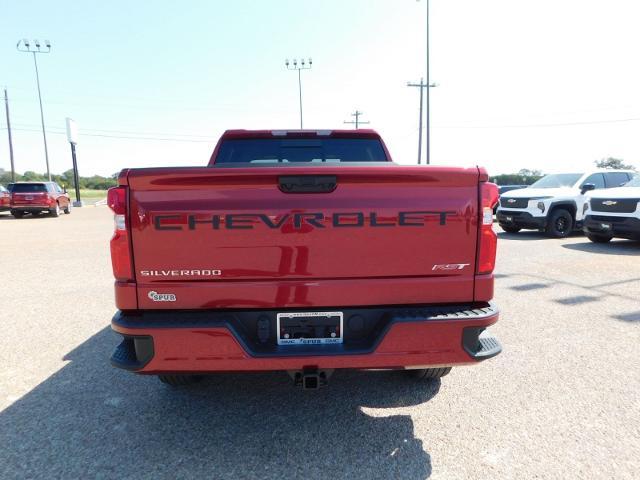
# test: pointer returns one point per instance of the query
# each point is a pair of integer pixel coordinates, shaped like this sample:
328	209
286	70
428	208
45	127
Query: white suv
554	204
613	213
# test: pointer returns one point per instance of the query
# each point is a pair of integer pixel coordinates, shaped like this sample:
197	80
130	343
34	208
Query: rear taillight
487	238
120	246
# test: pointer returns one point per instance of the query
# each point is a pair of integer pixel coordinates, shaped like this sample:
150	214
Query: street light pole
303	65
428	86
428	132
25	46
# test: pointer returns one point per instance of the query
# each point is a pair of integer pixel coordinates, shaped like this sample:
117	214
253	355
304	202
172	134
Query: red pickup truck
302	251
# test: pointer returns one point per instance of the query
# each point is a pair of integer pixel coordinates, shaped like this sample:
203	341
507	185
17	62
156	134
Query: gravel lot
561	401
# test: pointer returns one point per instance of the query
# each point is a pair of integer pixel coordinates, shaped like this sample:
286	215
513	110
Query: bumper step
133	353
479	344
489	347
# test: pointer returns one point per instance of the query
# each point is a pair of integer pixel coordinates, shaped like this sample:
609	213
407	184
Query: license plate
28	198
509	219
605	226
309	328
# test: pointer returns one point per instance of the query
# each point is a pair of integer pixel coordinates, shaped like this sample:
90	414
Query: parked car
302	251
554	203
4	199
38	197
613	213
507	188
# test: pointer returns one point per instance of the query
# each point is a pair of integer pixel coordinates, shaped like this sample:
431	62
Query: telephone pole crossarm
357	122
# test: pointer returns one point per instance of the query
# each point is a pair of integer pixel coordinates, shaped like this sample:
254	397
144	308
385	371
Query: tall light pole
428	86
357	122
302	65
35	47
428	131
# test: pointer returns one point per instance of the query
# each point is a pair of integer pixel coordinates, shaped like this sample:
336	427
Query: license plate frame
308	317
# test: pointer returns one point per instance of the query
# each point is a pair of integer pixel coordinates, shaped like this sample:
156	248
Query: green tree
96	182
30	176
523	177
612	163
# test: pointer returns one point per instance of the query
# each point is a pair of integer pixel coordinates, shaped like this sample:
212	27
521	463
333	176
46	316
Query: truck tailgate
241	238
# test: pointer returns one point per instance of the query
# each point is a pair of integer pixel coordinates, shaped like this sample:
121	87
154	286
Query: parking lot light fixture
299	67
26	46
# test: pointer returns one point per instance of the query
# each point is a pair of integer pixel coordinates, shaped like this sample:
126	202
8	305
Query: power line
543	125
164	139
131	132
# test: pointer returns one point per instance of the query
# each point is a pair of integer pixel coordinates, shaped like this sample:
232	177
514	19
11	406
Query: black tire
560	224
597	238
67	209
510	229
179	380
429	373
17	214
55	211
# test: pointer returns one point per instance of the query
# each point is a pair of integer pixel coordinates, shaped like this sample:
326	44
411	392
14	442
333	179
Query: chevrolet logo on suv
609	203
511	200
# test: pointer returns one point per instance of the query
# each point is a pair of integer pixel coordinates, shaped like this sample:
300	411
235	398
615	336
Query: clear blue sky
536	84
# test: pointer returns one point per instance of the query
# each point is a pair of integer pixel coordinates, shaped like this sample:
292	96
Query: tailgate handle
307	183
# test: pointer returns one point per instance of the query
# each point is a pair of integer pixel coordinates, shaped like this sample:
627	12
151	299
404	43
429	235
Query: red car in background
38	197
4	199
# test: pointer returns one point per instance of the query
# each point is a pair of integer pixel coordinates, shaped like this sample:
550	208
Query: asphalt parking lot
561	401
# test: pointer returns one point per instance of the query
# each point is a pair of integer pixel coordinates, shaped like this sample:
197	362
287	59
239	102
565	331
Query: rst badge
448	267
161	297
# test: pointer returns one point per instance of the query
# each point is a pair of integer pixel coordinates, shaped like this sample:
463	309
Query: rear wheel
55	212
179	380
17	214
510	229
597	238
429	373
560	224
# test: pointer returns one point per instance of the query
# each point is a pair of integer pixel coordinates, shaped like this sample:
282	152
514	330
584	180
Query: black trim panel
521	219
621	227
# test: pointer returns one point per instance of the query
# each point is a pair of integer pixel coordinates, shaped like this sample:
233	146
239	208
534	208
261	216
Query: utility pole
357	121
6	109
25	45
299	67
421	86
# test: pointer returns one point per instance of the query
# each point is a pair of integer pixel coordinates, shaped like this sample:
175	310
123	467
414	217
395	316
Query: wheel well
569	207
